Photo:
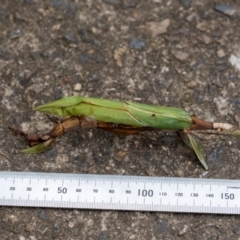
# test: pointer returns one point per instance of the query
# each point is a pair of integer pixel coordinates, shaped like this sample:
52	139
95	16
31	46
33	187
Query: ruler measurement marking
222	197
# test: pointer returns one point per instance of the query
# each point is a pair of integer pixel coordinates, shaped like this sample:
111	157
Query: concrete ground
173	53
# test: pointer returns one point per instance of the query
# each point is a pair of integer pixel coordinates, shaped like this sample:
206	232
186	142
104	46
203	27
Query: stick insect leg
32	139
120	129
72	123
124	130
58	130
199	124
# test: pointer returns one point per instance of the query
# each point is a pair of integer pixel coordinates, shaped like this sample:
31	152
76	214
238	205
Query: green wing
192	143
127	113
39	148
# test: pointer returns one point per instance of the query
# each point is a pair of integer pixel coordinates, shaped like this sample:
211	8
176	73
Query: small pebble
221	53
179	173
183	231
4	55
186	3
30	227
56	27
228	10
71	224
205	173
235	61
203	26
222	105
69	9
93	77
216	158
165	169
163	226
156	28
192	84
191	17
130	4
137	43
15	34
237	231
180	55
118	54
77	87
69	37
83	57
43	215
237	119
166	82
206	39
102	236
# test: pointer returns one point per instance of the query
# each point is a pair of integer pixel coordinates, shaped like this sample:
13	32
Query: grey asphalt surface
173	53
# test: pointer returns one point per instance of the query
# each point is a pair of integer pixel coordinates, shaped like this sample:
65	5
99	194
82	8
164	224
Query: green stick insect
123	118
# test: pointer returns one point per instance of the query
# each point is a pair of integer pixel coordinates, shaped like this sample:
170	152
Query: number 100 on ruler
114	192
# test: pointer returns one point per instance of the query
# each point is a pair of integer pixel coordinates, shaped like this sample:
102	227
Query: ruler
113	192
